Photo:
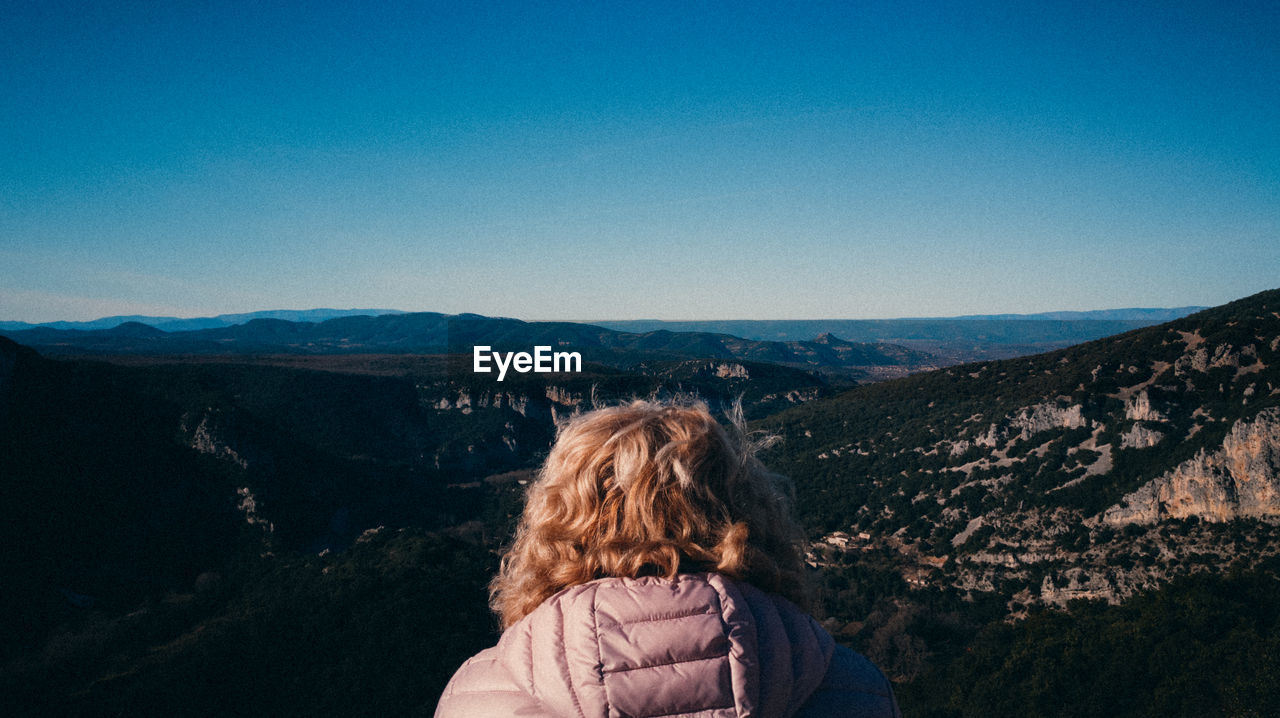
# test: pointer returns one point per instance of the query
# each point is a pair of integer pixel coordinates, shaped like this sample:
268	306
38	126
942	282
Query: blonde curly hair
644	489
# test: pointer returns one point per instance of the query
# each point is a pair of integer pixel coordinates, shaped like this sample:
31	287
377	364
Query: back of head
649	489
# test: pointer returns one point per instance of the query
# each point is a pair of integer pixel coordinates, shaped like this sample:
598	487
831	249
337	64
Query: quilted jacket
700	645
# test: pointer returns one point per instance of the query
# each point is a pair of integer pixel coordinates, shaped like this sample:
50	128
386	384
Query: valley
174	509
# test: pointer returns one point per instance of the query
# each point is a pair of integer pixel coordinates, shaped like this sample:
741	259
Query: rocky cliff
1241	479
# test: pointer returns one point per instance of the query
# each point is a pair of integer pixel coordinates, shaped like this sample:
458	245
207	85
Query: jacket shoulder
484	687
853	687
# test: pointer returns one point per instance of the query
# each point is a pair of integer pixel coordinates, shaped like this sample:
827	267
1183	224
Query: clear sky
683	160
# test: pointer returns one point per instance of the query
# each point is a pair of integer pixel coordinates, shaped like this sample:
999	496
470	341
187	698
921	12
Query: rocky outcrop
1027	422
988	439
1202	359
465	403
206	439
1077	583
731	371
1140	437
563	397
1241	479
1043	417
249	507
1138	408
1192	361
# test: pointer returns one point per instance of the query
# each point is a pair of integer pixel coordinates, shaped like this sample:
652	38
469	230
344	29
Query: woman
656	572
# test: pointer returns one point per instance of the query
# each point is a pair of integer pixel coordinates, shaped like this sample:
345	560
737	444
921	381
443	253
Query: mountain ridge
1011	477
430	332
170	324
953	339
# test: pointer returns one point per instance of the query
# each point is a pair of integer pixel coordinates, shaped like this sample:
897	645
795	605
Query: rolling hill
1089	472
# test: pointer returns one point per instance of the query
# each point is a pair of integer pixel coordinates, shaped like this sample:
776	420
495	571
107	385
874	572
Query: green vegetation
1203	645
880	445
375	631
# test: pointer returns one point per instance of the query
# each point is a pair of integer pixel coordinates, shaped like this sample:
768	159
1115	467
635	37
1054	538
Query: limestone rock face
1042	417
1196	361
1140	437
1241	479
1024	424
563	397
989	439
1076	583
249	507
1138	408
207	438
732	371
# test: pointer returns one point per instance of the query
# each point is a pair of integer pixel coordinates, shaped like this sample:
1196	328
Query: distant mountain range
750	329
792	342
1153	315
871	329
957	340
175	324
433	333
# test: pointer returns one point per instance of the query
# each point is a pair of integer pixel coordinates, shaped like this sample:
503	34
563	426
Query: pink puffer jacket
701	645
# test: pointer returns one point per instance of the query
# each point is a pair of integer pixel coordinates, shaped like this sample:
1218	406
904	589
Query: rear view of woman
656	572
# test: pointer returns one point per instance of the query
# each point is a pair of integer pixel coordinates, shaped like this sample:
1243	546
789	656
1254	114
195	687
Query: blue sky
658	160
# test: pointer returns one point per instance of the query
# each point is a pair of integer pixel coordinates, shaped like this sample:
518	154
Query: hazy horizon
380	311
